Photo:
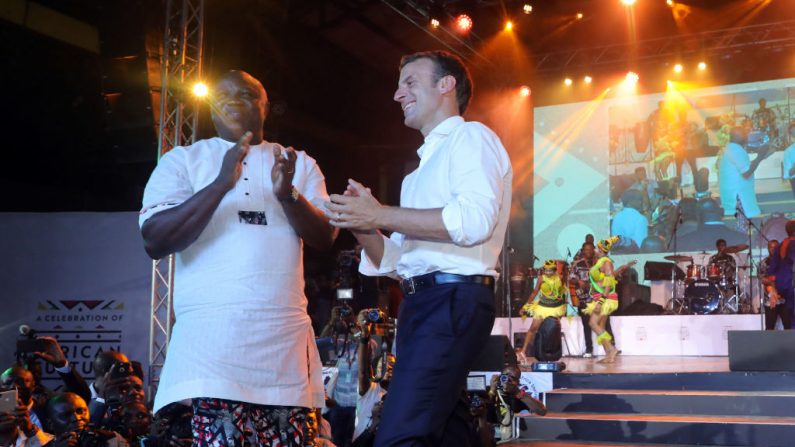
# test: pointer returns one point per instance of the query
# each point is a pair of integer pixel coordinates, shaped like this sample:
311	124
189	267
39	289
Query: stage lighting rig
463	23
508	25
434	22
628	2
527	8
587	79
678	68
524	91
200	90
568	81
702	66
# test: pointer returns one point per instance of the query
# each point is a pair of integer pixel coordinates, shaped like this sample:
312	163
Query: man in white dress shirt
446	237
236	210
736	172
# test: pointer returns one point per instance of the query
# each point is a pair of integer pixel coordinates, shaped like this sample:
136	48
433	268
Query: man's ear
447	84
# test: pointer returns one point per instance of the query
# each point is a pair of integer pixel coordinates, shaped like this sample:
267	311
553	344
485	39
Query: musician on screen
604	297
548	299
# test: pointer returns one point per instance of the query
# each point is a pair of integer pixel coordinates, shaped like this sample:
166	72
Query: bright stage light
524	91
587	79
669	3
200	90
527	8
632	78
702	66
628	2
508	25
463	22
568	81
580	16
435	23
678	68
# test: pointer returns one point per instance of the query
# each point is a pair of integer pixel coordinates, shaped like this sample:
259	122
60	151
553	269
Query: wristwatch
293	197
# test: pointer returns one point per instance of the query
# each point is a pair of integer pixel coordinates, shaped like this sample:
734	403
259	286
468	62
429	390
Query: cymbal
679	258
736	248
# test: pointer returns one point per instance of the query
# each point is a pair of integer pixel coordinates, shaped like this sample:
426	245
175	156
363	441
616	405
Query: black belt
414	284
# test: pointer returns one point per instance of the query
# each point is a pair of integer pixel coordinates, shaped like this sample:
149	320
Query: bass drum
704	297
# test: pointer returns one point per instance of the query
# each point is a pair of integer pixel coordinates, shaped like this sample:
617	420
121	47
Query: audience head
510	379
632	198
720	244
22	379
102	363
589	238
135	419
67	412
738	135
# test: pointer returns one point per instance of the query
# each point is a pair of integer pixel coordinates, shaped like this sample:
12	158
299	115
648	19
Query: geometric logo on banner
568	181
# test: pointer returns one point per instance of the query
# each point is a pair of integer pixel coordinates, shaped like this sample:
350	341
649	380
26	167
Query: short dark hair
790	227
447	64
719	241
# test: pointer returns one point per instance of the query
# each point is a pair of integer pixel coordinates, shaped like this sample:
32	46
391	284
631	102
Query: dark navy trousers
441	330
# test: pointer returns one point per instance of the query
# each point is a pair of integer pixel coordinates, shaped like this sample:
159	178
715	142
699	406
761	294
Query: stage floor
638	364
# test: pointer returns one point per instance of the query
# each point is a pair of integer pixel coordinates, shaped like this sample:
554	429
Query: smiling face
422	96
239	104
68	413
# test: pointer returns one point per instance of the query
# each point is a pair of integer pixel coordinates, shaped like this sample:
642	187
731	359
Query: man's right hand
68	439
231	168
53	354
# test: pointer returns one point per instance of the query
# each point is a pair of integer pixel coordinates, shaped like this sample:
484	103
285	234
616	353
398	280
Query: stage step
519	443
673	402
667	429
692	381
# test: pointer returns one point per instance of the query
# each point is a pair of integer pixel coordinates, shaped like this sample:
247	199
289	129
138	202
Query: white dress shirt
465	171
734	162
789	161
242	332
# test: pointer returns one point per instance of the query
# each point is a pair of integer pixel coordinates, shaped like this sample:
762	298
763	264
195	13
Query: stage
657	335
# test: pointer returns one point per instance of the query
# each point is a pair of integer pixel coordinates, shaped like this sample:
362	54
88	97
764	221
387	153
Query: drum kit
709	289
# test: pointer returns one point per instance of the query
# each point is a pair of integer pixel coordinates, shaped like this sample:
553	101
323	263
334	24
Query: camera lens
504	379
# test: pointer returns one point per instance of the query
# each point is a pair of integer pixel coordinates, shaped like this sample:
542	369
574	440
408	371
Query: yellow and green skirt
609	306
540	312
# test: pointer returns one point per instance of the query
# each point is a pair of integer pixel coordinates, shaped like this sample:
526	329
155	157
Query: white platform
671	335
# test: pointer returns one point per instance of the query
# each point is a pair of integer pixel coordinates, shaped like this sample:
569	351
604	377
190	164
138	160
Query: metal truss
768	35
181	66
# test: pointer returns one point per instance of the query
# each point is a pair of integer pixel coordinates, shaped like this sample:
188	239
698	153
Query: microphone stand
674	237
751	227
506	283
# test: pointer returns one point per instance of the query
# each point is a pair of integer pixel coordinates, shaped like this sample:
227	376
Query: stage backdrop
82	278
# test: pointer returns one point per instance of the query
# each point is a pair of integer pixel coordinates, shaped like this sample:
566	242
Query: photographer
16	429
52	353
343	329
372	387
22	379
481	430
68	418
508	399
171	427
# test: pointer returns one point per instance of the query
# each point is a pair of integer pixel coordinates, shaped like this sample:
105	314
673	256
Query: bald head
239	104
67	412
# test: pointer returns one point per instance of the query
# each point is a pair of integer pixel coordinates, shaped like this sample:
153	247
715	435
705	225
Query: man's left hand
283	172
357	209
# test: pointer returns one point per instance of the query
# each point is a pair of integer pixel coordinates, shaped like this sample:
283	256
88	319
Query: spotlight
587	79
628	2
702	66
508	25
435	23
527	8
678	68
568	81
524	91
463	22
579	16
669	3
200	90
632	78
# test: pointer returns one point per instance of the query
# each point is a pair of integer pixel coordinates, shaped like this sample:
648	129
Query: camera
375	316
475	401
93	438
504	378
